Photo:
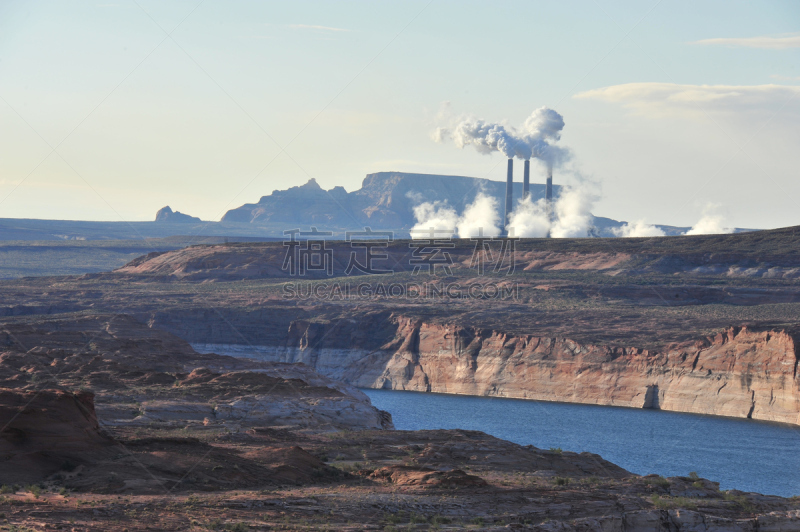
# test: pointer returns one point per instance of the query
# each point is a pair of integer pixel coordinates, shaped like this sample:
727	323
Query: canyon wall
741	372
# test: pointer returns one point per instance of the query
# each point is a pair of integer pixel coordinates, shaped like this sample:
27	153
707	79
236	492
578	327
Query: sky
111	110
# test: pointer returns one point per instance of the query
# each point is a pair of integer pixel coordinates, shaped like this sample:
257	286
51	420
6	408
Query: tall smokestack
526	180
548	194
509	191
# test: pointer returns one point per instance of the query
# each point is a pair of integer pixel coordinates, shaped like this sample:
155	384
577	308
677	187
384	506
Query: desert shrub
556	450
658	481
694	476
417	518
6	489
740	500
670	503
561	481
35	490
393	519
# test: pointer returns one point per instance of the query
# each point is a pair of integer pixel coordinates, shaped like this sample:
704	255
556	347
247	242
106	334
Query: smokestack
509	191
548	194
526	180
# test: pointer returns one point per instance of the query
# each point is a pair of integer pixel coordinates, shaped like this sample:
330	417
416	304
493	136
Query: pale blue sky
140	120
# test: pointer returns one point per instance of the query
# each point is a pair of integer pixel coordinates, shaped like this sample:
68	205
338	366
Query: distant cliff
385	200
740	372
166	214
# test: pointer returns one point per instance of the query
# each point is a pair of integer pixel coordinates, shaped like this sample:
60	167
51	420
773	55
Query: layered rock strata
740	372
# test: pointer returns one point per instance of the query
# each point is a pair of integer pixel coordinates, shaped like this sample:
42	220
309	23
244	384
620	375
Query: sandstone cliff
741	372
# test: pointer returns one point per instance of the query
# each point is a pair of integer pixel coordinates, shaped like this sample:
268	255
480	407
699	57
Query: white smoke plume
529	219
637	228
573	217
534	139
437	216
481	217
711	223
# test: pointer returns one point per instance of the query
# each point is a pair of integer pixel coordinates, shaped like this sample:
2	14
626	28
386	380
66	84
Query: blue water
742	454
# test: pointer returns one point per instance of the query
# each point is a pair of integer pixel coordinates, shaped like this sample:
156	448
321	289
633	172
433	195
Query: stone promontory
166	214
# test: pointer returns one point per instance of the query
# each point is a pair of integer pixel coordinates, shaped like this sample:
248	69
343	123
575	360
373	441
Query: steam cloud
572	217
534	139
479	217
529	219
711	223
437	215
637	228
573	213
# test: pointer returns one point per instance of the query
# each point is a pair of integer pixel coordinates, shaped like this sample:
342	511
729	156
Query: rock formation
166	214
742	372
384	201
125	363
47	431
593	323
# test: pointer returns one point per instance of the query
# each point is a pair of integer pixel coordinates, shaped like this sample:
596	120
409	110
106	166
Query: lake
738	453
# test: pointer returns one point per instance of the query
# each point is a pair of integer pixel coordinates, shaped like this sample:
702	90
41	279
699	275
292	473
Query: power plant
526	190
509	191
526	180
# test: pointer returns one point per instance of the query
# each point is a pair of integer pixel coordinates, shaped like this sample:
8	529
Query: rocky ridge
141	376
741	372
166	214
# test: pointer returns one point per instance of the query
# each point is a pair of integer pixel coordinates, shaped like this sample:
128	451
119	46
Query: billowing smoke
534	139
480	216
529	219
637	228
572	217
437	216
711	223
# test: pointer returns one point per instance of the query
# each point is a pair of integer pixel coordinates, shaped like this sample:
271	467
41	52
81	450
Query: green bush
417	518
671	503
561	481
659	481
740	500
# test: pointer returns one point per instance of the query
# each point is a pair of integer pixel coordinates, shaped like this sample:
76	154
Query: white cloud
667	99
768	43
637	229
711	223
434	220
313	27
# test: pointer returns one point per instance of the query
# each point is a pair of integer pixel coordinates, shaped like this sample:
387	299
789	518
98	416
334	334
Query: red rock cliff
740	372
